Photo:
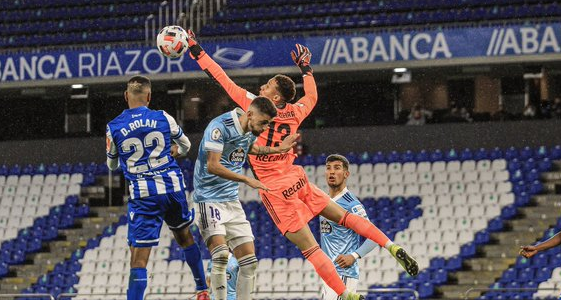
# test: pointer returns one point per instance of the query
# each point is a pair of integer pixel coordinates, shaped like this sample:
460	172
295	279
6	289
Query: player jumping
292	200
140	140
341	244
223	150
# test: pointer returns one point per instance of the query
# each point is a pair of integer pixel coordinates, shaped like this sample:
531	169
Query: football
172	41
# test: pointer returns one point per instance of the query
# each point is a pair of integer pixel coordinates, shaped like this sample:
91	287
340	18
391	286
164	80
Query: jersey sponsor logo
286	114
216	134
271	158
293	189
237	156
359	210
325	227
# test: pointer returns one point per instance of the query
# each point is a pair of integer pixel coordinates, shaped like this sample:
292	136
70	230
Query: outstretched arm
215	167
529	251
240	95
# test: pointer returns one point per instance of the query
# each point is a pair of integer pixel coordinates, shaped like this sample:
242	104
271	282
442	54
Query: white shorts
328	294
226	219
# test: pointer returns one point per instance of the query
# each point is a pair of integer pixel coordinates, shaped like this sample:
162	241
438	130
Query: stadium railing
471	290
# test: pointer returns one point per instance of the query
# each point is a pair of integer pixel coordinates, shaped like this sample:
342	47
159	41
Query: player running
223	150
292	200
341	244
140	140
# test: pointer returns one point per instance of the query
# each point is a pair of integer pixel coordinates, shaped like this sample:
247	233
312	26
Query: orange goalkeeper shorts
292	201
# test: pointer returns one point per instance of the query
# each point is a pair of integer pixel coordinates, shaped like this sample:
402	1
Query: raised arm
240	95
306	104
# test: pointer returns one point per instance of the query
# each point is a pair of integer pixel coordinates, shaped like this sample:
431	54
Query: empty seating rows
306	16
435	228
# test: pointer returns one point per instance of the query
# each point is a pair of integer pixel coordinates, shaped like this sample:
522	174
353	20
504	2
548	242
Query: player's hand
256	184
302	58
288	143
174	151
196	51
528	251
345	261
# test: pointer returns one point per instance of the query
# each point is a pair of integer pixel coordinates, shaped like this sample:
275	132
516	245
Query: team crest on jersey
216	134
237	156
325	227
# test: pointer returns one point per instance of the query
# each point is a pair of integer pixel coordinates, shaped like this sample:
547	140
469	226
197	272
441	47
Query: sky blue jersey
140	139
336	239
231	275
224	134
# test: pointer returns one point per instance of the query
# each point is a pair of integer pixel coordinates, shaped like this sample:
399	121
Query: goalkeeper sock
325	269
365	228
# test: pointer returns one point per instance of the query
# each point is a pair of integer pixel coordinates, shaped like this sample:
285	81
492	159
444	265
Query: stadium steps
501	253
69	240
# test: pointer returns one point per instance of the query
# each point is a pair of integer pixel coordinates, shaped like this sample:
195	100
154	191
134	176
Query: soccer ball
172	41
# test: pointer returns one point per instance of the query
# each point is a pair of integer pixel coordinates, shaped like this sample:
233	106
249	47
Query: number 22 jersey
141	139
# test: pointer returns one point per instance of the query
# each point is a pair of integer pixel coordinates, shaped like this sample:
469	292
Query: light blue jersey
336	239
223	134
140	138
231	275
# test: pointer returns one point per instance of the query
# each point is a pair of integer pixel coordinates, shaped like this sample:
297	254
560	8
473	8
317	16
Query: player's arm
288	143
306	104
240	95
529	251
215	167
178	137
111	151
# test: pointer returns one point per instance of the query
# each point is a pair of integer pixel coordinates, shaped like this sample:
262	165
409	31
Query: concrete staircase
69	240
501	253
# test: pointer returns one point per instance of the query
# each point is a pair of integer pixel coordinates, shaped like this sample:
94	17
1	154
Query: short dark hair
338	157
138	83
265	105
286	87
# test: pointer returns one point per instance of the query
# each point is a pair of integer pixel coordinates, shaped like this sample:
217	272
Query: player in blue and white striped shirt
342	245
140	140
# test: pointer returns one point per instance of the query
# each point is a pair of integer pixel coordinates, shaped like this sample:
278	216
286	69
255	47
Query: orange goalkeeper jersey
286	122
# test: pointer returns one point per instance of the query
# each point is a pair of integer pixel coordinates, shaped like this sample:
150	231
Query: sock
138	280
192	256
325	269
246	276
218	273
364	227
388	244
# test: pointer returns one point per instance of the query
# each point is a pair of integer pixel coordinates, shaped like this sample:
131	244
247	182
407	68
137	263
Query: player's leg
240	239
143	233
179	217
210	222
365	228
219	254
192	256
305	241
138	278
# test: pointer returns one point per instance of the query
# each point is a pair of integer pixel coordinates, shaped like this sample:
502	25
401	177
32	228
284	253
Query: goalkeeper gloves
196	51
302	59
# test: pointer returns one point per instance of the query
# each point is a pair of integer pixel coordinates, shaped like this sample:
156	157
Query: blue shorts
146	216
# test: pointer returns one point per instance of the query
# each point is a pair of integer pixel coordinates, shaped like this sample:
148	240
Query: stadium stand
110	22
441	204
